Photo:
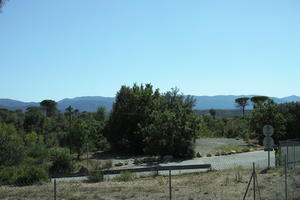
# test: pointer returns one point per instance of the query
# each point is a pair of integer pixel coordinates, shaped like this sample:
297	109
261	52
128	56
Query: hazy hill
92	103
89	104
14	104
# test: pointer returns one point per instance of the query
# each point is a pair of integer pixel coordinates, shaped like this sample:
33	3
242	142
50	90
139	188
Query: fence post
294	155
287	155
87	156
170	185
54	189
285	172
254	195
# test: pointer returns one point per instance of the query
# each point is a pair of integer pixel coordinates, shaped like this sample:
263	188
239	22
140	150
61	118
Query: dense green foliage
61	161
11	147
285	118
23	175
42	141
268	113
291	113
143	121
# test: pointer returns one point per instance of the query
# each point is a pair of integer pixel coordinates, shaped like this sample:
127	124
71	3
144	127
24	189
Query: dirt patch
209	145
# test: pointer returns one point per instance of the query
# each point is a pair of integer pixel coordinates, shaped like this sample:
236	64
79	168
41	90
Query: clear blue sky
66	48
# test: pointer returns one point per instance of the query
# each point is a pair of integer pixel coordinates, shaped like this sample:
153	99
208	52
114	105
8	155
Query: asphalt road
260	158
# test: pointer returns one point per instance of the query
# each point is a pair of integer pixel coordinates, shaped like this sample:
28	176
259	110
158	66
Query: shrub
23	175
28	175
125	176
37	155
61	161
6	175
95	176
11	146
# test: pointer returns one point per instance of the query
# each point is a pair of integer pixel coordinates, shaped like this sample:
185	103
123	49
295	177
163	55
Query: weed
226	182
95	176
125	176
160	181
237	174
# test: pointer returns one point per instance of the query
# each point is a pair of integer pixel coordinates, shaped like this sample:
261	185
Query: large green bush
11	146
23	175
143	121
268	113
61	161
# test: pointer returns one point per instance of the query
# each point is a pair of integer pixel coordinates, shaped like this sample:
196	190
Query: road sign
268	130
268	142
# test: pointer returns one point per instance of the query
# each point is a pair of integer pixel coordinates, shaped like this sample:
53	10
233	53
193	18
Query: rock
199	155
137	161
167	158
223	153
83	170
233	152
217	154
245	150
251	149
208	155
119	164
126	163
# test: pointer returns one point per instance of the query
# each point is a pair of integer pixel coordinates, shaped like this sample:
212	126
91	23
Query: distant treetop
259	99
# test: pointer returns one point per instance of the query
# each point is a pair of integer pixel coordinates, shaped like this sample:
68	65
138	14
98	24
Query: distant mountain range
92	103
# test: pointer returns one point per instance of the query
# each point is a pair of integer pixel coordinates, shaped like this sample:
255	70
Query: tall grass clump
125	176
95	176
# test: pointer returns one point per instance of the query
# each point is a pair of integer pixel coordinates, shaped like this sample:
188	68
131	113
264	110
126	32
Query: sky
68	48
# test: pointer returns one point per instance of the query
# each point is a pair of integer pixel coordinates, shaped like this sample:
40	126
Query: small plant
125	176
95	176
237	174
160	181
226	181
278	157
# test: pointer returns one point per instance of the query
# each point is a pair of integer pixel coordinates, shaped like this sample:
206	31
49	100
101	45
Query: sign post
268	141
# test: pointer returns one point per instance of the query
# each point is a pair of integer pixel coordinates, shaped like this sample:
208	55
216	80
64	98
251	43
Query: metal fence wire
289	149
226	181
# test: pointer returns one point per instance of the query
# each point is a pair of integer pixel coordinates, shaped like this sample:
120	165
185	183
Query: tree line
43	141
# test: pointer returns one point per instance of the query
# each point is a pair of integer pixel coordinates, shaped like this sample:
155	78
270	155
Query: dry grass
218	185
228	148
